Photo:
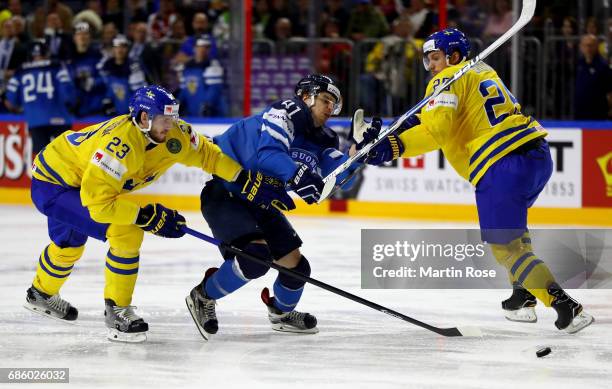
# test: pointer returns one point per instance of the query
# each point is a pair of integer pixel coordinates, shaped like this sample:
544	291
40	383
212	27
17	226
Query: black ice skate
520	306
50	306
202	308
570	314
293	321
123	324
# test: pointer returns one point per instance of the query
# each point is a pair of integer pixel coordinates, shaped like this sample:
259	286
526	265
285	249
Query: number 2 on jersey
494	96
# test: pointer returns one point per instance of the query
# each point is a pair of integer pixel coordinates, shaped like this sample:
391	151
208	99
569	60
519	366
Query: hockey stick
454	331
526	15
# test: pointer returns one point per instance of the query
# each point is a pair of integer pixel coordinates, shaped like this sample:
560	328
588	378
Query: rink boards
424	187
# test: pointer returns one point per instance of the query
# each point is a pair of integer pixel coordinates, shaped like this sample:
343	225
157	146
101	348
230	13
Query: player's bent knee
251	269
65	255
125	240
303	267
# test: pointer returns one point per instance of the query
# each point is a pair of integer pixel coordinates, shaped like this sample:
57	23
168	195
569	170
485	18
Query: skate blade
522	315
42	312
191	308
124	337
580	322
281	327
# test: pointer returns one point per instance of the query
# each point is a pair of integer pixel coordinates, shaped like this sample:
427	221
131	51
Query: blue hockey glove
264	191
161	221
386	150
307	184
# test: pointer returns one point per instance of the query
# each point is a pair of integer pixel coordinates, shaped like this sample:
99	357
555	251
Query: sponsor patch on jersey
443	100
174	145
108	164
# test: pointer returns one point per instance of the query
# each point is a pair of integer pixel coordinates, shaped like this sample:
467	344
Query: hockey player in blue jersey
288	140
201	79
122	77
43	89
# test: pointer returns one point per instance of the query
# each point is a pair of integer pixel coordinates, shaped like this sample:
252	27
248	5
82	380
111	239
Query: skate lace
57	303
209	309
296	318
126	313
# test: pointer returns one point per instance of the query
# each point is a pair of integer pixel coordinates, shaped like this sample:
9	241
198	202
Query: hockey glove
363	132
386	150
307	184
161	221
264	191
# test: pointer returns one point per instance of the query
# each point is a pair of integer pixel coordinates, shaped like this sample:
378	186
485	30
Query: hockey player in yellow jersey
479	126
77	183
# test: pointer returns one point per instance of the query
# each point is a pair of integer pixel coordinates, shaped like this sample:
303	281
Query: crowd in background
110	48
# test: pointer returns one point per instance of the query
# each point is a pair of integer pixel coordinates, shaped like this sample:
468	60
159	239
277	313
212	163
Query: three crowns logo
605	164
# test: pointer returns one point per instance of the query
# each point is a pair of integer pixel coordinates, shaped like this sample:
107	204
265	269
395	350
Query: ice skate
520	306
123	324
293	321
202	308
571	317
51	306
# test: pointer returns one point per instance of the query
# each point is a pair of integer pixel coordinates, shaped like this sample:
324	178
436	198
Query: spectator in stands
92	16
278	10
201	90
19	25
201	29
109	32
593	92
15	7
13	53
390	71
423	20
43	90
58	41
159	23
138	10
261	18
145	53
335	9
388	8
122	78
90	86
366	21
41	13
499	21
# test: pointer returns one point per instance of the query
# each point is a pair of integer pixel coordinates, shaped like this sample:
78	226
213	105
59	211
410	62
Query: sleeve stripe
277	128
276	135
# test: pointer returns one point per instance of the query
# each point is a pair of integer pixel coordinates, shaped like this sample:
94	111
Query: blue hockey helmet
313	84
154	100
447	41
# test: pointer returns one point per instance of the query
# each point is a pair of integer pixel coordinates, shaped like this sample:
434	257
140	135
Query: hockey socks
287	289
224	281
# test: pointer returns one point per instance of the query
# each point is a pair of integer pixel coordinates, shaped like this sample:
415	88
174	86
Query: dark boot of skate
50	306
520	306
202	308
571	317
292	321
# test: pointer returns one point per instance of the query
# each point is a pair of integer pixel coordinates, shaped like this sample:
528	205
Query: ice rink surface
357	347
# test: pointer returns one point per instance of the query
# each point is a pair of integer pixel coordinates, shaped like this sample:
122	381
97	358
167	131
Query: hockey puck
543	352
